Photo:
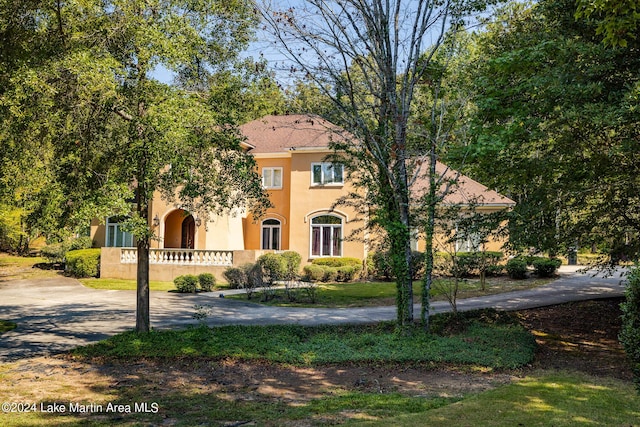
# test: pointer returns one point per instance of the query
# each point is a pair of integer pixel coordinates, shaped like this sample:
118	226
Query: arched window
270	234
326	236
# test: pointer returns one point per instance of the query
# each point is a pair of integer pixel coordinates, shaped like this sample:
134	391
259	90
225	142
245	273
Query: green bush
517	268
417	265
347	273
630	332
83	262
546	267
337	261
187	283
207	281
273	266
235	276
253	274
330	273
84	242
292	262
54	253
382	268
313	273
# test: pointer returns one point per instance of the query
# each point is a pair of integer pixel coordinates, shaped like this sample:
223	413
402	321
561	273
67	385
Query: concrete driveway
55	315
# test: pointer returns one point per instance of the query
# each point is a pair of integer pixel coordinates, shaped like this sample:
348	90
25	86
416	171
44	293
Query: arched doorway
179	230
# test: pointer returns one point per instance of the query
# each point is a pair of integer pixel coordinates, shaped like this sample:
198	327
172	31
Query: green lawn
549	399
491	340
124	285
367	294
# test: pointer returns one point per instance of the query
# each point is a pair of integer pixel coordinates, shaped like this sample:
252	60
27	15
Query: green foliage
83	242
83	262
313	273
381	265
6	326
337	261
517	268
236	277
476	263
617	21
496	345
187	283
273	266
630	332
206	281
292	262
341	269
546	267
54	253
555	112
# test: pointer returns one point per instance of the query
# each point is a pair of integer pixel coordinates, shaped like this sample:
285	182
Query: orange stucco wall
298	202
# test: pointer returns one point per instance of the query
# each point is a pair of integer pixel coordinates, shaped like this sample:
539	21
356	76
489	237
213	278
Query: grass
124	285
6	326
490	340
550	399
19	268
370	294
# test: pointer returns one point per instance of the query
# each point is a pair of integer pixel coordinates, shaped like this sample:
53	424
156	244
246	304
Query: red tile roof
278	134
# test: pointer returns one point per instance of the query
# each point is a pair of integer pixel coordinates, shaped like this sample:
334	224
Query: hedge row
189	283
83	262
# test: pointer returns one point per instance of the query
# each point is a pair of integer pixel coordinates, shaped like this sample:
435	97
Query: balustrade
179	257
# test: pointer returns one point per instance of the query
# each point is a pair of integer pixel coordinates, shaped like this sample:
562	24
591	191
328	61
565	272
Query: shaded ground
575	336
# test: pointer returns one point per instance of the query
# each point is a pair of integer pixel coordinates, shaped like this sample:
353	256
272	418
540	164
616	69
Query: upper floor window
327	173
272	177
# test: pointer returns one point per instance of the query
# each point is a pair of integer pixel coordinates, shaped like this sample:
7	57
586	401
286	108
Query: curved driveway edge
55	315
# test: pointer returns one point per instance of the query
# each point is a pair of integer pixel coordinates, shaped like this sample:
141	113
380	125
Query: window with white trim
115	236
272	177
326	173
270	234
468	241
326	236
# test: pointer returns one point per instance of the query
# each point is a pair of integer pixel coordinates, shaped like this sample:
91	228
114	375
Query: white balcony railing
179	257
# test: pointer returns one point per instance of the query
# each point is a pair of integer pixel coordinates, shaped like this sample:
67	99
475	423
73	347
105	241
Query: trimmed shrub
206	281
54	253
347	273
337	261
83	242
273	266
83	262
630	332
517	268
313	273
546	267
254	275
187	283
235	276
292	262
330	274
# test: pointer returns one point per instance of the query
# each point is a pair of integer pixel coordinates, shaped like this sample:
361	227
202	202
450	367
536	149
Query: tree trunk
429	234
142	288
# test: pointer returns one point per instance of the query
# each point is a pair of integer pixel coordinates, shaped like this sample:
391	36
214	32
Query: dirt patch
577	336
580	336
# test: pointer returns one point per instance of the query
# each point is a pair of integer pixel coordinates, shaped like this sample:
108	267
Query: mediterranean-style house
290	153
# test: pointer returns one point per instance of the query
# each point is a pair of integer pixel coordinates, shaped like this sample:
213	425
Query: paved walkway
55	315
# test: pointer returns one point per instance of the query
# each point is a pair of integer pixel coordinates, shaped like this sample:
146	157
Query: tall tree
368	58
557	128
115	132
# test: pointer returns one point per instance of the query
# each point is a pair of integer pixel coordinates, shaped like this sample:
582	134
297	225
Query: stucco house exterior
290	154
